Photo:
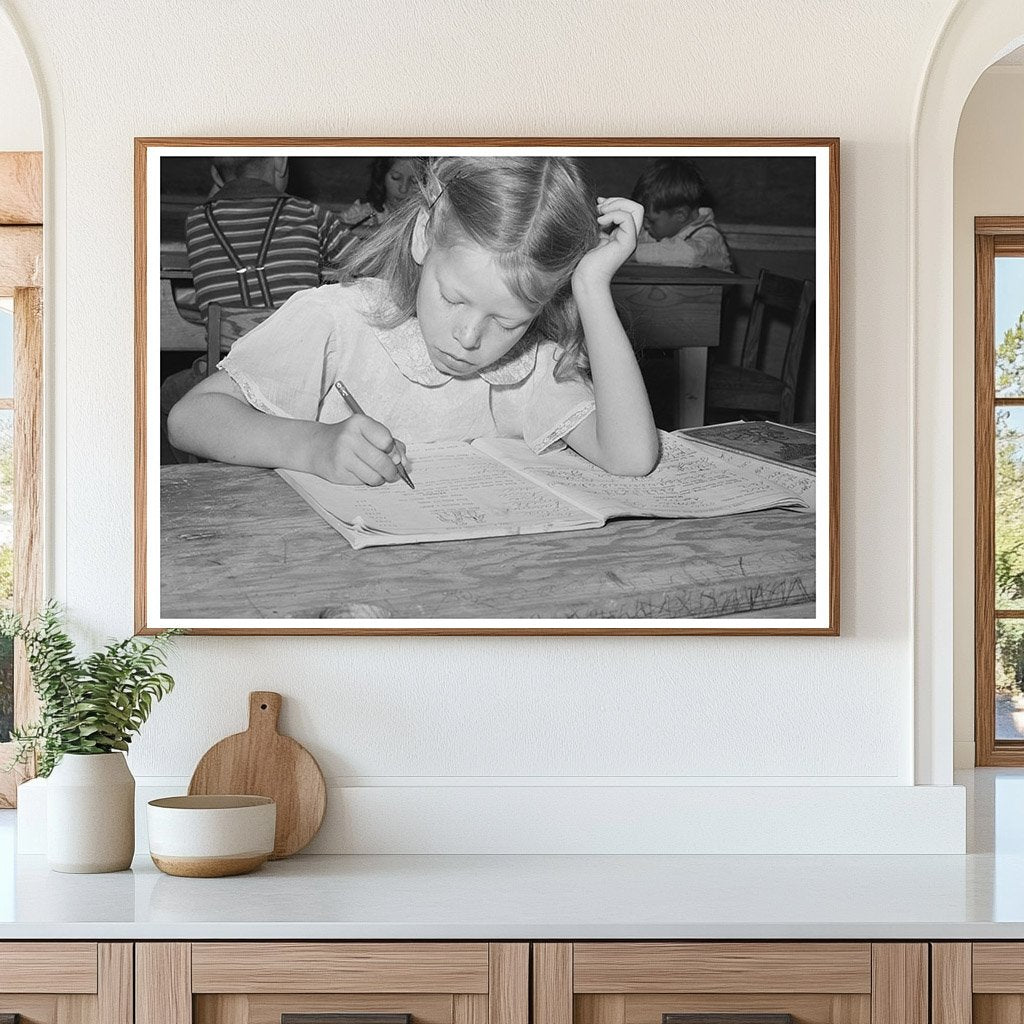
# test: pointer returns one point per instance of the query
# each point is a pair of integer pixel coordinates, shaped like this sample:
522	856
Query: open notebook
498	487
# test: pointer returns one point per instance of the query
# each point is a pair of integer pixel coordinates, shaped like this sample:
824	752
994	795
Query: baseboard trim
717	820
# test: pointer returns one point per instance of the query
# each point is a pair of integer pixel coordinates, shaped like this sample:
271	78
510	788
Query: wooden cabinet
979	982
494	983
261	982
654	982
66	982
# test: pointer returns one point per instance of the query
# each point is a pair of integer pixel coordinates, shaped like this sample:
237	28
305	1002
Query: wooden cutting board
262	762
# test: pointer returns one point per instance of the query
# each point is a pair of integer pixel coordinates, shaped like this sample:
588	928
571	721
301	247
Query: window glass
1009	327
1009	679
1009	510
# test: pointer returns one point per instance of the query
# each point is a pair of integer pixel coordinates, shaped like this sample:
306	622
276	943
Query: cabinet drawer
66	982
332	983
340	967
730	983
630	967
65	967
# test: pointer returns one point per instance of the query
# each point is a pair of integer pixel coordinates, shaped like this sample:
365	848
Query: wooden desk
678	309
239	543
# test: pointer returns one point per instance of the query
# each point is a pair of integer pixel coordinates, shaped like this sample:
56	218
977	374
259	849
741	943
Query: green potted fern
90	708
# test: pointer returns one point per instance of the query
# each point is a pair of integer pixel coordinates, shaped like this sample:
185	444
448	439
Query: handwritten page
687	482
460	493
784	478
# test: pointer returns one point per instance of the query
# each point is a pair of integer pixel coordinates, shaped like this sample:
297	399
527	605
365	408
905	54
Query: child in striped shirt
250	247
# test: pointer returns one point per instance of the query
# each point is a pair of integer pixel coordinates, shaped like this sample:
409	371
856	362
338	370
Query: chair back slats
795	349
776	299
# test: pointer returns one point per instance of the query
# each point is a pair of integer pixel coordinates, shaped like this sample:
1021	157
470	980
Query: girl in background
392	180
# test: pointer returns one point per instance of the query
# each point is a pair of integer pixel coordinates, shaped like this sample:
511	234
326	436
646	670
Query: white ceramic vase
90	814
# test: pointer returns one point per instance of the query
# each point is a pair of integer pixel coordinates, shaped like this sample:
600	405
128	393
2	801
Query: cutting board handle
264	710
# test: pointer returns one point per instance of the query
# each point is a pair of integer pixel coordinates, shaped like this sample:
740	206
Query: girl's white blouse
287	365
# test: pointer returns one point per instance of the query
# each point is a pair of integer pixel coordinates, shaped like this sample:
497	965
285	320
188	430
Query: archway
976	34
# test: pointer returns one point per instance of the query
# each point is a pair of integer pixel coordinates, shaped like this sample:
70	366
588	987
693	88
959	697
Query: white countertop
517	897
976	896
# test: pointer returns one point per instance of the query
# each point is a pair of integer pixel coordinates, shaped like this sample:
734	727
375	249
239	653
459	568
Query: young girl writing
483	309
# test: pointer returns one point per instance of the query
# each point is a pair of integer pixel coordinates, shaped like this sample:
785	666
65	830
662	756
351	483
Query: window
20	430
999	490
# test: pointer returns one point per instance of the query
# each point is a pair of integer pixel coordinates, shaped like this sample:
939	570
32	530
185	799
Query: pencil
350	401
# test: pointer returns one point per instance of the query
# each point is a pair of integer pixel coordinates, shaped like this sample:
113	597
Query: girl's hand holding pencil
359	450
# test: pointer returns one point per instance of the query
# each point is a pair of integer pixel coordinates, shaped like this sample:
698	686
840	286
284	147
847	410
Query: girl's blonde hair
534	215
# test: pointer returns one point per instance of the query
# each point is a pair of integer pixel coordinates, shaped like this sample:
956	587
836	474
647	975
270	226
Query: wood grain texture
339	967
758	967
65	967
727	1018
262	762
21	258
603	1009
834	490
163	983
984	502
763	593
141	356
115	997
994	237
224	1009
468	1009
21	188
346	1017
28	483
996	226
208	867
76	1010
998	1009
899	972
10	780
268	1009
293	565
508	993
552	983
951	983
805	1008
998	967
29	1009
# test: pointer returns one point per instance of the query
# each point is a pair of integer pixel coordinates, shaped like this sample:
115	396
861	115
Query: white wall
989	181
445	714
21	127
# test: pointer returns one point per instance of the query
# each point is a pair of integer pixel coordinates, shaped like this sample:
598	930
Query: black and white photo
458	386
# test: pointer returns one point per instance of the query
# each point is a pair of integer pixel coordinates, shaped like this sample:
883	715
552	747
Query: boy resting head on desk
679	227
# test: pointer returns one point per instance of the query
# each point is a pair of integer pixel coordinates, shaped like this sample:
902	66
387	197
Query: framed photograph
487	386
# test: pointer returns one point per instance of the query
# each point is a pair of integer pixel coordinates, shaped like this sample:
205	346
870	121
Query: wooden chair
225	324
748	387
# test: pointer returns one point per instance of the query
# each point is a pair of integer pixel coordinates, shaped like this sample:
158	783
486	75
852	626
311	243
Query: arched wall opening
976	35
987	183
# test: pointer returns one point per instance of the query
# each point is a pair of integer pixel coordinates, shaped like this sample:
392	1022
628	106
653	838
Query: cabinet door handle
337	1018
726	1018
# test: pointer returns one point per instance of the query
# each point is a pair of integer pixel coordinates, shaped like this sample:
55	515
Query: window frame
993	237
21	261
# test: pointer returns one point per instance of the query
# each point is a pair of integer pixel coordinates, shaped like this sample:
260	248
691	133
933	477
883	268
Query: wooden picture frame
768	588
